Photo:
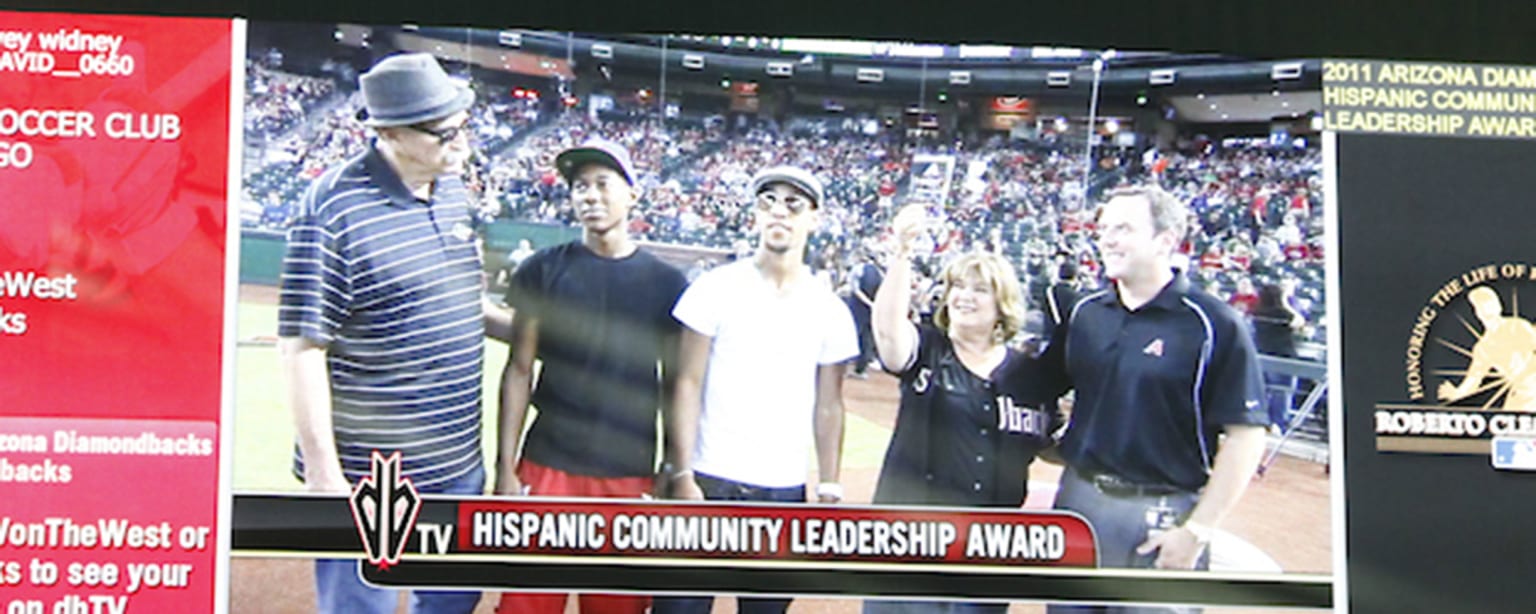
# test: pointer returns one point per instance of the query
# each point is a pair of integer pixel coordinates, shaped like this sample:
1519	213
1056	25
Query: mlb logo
1514	453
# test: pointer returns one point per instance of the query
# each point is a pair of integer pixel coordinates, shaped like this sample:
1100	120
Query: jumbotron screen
332	315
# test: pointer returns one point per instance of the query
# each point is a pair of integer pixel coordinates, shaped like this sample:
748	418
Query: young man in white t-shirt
760	372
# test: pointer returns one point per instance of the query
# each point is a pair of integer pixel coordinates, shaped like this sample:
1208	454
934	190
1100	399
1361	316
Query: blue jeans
1120	524
720	489
339	586
1282	391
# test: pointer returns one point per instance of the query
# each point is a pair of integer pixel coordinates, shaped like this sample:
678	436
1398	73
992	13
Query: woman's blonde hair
993	270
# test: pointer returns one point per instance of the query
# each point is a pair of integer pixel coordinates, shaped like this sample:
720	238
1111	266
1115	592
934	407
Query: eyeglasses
444	135
795	203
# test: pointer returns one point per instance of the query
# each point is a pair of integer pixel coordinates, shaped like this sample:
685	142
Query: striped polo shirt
390	284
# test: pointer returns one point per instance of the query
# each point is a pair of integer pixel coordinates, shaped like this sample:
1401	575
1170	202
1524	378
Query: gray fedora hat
409	89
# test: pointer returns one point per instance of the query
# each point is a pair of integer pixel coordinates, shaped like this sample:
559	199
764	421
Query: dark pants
1120	524
863	323
1282	391
719	489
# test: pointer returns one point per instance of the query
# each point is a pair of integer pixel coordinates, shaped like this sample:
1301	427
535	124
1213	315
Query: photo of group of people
534	269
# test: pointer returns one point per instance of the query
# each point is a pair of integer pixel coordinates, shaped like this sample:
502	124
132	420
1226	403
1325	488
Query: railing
1302	387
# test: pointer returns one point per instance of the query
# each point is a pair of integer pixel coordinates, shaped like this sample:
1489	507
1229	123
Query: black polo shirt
1156	386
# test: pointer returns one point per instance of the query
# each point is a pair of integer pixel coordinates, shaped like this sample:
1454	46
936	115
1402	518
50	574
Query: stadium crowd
1256	209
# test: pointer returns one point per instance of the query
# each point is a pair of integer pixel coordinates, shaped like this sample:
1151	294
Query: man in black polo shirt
598	314
1168	423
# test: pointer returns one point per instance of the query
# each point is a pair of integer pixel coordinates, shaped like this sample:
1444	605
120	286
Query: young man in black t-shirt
597	314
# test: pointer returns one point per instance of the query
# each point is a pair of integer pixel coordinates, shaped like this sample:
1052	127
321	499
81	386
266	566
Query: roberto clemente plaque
1469	366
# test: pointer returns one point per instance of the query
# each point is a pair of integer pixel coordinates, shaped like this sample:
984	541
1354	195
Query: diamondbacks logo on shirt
1014	419
1469	367
1155	348
384	506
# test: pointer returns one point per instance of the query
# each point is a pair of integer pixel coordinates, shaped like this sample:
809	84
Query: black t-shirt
961	439
1272	331
1155	386
603	326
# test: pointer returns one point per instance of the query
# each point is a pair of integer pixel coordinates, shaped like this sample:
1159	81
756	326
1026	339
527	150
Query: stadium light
1286	71
995	52
870	75
1099	64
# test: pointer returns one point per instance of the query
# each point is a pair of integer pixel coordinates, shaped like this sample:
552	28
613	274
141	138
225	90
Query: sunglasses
795	203
444	135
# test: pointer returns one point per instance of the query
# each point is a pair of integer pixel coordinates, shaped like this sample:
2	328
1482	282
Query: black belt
1116	486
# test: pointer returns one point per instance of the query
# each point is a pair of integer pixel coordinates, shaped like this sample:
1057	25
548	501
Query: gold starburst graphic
1502	357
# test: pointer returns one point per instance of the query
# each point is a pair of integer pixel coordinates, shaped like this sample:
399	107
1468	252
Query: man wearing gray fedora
381	318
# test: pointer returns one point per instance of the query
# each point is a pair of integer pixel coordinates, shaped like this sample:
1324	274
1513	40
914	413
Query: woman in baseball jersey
970	421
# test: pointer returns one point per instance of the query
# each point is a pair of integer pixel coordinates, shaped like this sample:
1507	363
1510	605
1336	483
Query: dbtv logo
385	506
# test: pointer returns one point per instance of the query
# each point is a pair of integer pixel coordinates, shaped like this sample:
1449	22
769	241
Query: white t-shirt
756	426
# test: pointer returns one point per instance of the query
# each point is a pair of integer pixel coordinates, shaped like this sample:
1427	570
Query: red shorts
539	480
